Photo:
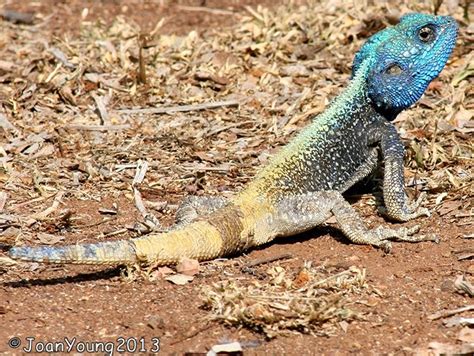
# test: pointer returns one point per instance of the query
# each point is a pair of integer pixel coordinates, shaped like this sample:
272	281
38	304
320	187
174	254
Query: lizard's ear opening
392	88
393	69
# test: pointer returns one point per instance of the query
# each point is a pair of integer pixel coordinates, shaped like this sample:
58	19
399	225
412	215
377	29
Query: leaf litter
312	300
71	129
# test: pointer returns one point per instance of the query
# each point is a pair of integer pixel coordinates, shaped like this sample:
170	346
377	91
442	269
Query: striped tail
221	234
113	252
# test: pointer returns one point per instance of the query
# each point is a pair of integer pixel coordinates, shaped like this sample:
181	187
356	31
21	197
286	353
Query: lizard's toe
386	246
432	237
411	230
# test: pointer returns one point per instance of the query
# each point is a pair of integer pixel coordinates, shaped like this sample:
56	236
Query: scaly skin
302	185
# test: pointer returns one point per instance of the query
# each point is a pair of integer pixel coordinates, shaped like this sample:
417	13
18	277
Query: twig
295	119
181	108
31	201
141	77
463	286
191	335
96	224
98	127
254	14
3	200
142	167
446	313
436	5
262	261
43	214
227	127
60	56
100	102
113	233
465	255
26	18
458	320
224	168
206	9
151	221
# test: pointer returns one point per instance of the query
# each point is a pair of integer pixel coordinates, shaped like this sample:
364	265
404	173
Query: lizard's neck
339	110
345	112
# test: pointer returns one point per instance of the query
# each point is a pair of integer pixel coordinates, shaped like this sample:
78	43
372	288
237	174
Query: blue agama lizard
302	186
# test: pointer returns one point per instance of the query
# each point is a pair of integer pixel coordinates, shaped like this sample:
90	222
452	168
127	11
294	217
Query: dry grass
312	300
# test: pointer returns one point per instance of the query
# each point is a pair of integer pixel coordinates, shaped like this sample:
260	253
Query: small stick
96	224
181	108
101	108
206	9
26	18
458	320
445	313
463	285
3	200
43	214
141	75
151	221
60	56
465	255
116	232
262	261
98	127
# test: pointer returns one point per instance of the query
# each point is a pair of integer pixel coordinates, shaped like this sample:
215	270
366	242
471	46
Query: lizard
302	186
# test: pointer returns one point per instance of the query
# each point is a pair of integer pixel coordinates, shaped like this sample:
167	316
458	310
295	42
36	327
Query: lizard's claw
386	246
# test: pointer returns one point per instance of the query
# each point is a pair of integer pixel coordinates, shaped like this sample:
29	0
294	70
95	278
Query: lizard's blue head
406	58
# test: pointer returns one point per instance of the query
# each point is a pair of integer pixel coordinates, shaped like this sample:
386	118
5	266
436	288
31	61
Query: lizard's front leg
395	198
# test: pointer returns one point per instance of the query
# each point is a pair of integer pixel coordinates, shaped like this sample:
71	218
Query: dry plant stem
463	286
193	334
44	214
150	220
98	127
262	261
142	39
3	200
206	9
181	108
446	313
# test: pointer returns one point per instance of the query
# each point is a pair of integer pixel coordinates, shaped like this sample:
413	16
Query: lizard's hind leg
302	212
352	225
193	207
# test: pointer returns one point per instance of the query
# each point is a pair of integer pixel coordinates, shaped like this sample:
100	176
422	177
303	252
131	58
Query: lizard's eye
393	69
426	34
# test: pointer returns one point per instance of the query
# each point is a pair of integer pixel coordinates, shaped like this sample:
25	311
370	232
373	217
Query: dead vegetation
72	131
312	301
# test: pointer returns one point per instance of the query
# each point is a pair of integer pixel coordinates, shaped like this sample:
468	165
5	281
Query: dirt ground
52	158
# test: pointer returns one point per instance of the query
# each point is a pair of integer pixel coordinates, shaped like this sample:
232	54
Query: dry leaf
179	279
48	239
188	267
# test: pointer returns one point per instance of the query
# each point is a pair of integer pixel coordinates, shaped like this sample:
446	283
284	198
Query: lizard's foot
408	212
354	228
382	235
